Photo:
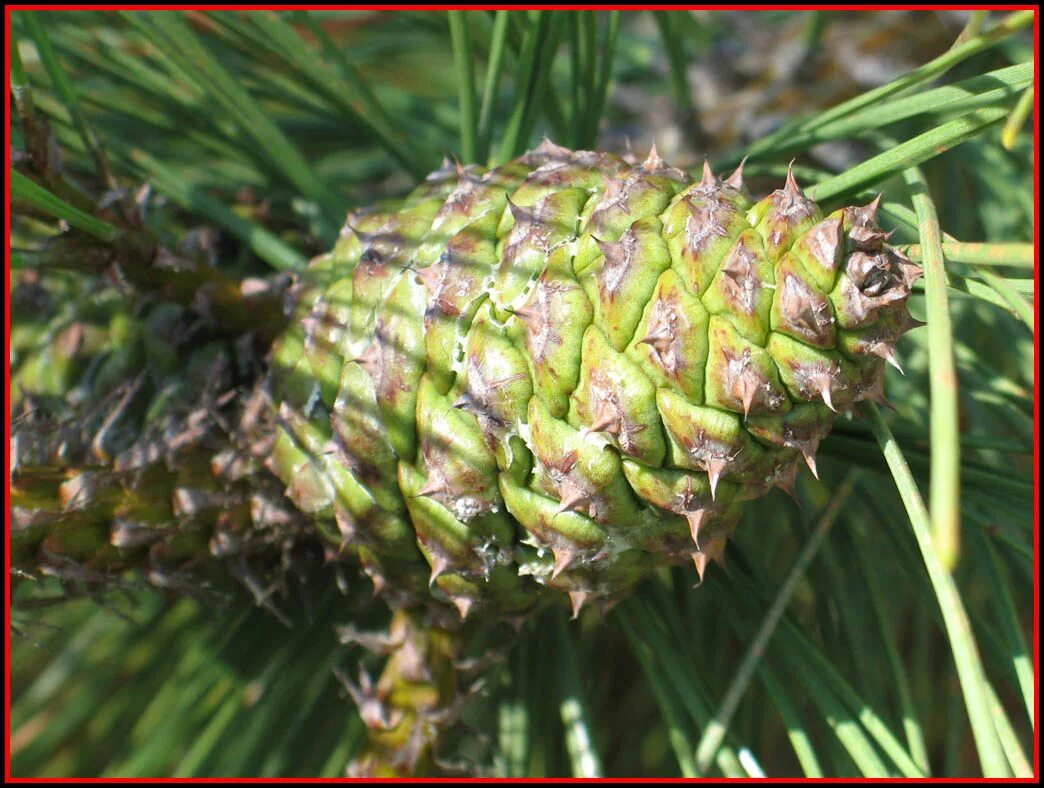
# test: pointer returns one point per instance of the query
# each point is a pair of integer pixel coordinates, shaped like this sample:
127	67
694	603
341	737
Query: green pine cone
568	370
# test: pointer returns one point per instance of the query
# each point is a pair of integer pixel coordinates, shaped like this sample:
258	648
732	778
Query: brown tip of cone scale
695	520
714	551
463	604
577	600
824	392
432	486
618	252
700	560
888	354
520	213
550	149
563	560
749	389
911	273
871	207
530	317
605	247
714	471
370	360
810	461
659	338
653	161
439	565
351	228
346	540
736	179
429	276
378	583
708	181
910	323
791	185
605	420
573	497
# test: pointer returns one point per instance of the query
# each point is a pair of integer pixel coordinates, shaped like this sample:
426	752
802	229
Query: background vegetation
884	626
